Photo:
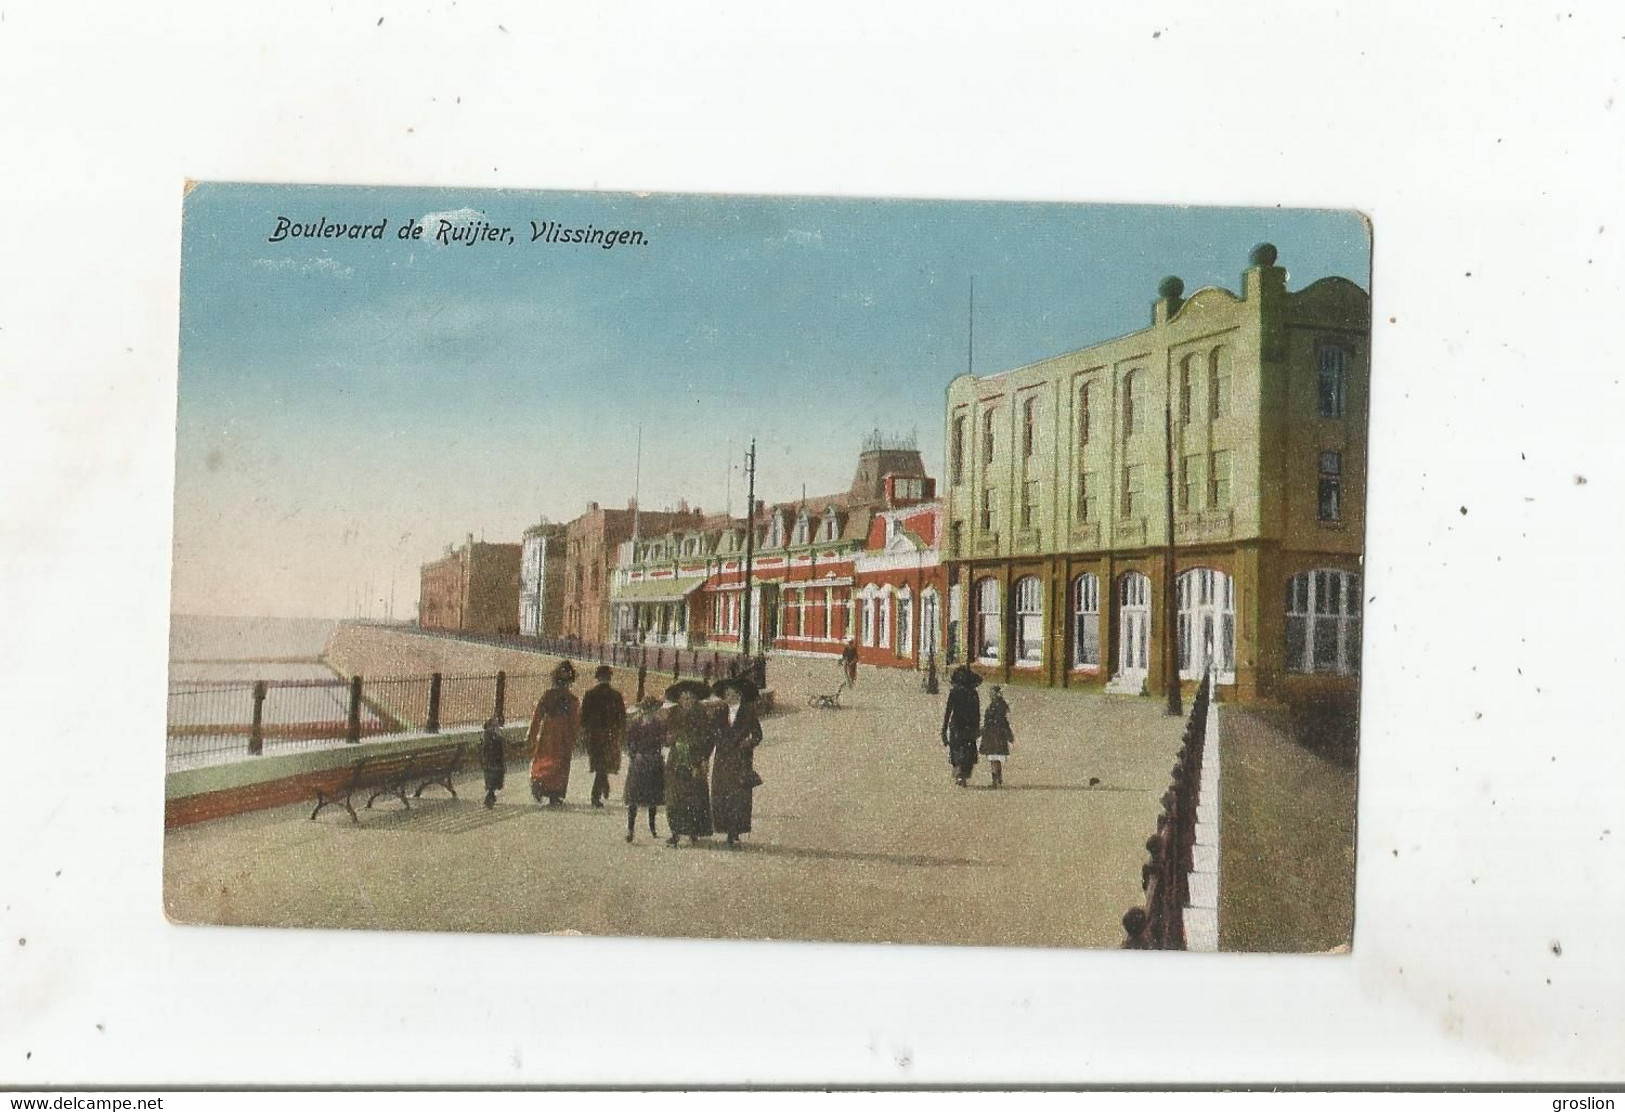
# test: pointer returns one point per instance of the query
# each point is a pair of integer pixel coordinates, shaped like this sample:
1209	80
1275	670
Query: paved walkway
860	835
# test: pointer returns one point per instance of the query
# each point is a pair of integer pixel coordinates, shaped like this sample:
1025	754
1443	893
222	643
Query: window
1218	379
832	523
1083	415
1133	477
1029	621
1189	469
908	490
802	533
1218	480
987	621
905	626
1029	504
1086	622
1333	373
1131	416
987	436
1029	418
987	509
1086	509
1323	622
884	603
1331	486
868	621
1185	388
1207	624
957	454
956	539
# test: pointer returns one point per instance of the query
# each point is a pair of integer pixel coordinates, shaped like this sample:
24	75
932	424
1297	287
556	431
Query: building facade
1058	496
820	569
472	589
541	581
591	543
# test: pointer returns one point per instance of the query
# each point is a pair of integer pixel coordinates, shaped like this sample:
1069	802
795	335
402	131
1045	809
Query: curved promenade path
860	835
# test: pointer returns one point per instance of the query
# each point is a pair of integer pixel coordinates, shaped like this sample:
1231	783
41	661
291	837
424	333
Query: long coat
960	721
733	770
645	771
493	758
603	720
688	796
552	738
996	733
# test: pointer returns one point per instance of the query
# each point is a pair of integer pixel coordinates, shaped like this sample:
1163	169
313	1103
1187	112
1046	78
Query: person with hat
961	719
733	771
997	736
603	720
552	738
849	662
645	773
692	732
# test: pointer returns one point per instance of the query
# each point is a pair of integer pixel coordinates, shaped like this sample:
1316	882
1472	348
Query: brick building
591	542
1057	499
472	589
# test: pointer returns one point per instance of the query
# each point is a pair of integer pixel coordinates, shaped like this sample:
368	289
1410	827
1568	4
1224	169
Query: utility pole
637	484
1170	641
750	547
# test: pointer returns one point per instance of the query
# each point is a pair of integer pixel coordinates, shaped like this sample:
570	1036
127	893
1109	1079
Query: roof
655	590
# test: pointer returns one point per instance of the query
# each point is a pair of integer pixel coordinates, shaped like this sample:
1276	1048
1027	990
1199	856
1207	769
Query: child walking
644	738
996	735
493	760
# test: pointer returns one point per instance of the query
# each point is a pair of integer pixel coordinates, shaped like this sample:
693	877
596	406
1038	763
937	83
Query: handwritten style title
450	233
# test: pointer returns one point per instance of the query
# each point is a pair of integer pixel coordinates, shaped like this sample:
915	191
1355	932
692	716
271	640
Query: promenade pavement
860	835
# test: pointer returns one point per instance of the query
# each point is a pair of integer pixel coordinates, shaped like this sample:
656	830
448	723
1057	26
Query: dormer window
803	525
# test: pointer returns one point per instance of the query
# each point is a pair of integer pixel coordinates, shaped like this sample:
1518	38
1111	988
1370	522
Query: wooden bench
390	774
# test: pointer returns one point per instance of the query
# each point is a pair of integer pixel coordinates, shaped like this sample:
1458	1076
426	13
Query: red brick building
472	589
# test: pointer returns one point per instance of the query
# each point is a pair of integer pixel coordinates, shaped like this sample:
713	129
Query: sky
348	408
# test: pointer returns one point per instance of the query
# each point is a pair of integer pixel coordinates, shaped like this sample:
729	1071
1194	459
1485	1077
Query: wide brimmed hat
964	677
602	672
687	687
564	673
748	691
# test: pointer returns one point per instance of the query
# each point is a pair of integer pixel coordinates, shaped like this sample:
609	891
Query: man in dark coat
733	769
849	662
603	721
961	718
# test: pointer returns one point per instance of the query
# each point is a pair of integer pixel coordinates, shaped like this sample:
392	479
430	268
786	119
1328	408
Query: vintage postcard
768	568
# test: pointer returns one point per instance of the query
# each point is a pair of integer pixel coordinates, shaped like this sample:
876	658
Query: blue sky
349	408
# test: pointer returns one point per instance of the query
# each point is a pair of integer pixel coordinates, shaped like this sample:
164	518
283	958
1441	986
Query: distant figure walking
493	759
603	721
645	769
961	719
553	731
849	662
692	732
733	770
996	735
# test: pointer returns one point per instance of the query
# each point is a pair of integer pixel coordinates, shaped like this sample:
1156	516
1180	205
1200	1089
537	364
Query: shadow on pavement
853	855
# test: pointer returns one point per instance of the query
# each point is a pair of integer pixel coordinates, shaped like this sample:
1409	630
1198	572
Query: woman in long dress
733	770
645	772
961	719
553	731
692	732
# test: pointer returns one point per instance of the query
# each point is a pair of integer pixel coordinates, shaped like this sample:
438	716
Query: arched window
884	604
1218	384
905	623
1185	375
1207	624
987	436
1086	622
802	534
868	623
1323	622
1029	621
988	618
1334	360
930	622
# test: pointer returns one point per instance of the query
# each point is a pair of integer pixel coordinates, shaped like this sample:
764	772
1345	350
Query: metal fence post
502	692
433	725
352	728
256	732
